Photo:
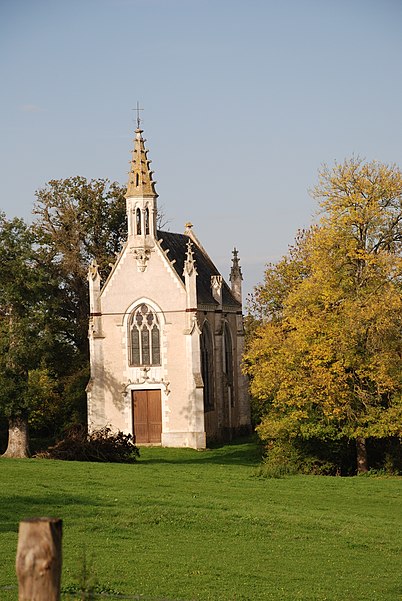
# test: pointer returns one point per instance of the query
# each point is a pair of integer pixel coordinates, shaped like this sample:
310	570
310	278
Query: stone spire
140	182
141	204
236	276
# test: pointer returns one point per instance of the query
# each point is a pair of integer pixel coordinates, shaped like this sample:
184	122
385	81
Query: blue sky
244	100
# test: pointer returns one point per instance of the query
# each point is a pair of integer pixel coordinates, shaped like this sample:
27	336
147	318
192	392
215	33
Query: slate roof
177	245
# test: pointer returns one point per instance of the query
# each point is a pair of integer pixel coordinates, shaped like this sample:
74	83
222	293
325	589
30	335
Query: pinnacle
140	182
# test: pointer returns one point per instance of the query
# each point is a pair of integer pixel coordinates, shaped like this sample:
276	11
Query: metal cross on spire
138	109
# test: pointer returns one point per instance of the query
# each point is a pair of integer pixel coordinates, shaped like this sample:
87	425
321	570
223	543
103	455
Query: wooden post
38	562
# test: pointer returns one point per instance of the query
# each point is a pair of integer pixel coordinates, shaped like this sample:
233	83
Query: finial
93	272
189	263
138	109
188	228
235	272
189	250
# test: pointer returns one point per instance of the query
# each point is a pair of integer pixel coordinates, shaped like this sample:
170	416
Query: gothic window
146	221
138	221
228	361
137	179
207	367
144	337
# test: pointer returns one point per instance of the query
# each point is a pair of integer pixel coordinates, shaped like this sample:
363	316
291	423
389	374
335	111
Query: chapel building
166	333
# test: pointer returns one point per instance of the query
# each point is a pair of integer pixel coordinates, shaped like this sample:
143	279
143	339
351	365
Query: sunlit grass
188	525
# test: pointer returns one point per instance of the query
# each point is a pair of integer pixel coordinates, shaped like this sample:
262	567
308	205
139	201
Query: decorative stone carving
144	373
145	380
216	282
199	383
194	326
93	272
216	285
142	257
235	272
189	263
236	276
166	385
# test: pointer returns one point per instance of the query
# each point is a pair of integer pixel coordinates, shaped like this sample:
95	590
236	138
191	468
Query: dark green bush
329	458
285	458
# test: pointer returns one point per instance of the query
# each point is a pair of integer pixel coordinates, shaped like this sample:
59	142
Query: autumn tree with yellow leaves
325	360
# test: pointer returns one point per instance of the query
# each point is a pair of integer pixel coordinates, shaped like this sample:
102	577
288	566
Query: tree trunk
361	451
18	441
38	563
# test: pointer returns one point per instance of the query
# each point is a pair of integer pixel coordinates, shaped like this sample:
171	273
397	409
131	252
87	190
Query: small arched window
144	337
137	180
207	369
146	221
138	221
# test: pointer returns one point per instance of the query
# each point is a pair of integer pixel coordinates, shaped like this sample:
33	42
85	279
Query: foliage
185	524
44	298
24	290
325	361
101	446
286	458
76	221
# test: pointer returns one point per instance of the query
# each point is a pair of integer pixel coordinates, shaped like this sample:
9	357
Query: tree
79	220
24	288
325	361
76	221
44	301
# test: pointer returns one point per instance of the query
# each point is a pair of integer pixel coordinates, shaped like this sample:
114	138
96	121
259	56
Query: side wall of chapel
230	414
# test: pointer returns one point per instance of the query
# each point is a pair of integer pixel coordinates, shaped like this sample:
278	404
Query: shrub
286	458
101	446
281	460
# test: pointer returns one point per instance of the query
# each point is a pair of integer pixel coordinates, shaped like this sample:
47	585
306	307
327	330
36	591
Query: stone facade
166	333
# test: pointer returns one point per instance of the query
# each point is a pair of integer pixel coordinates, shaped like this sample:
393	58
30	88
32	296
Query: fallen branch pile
101	446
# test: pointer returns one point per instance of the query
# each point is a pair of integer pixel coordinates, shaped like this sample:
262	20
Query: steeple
140	182
141	199
236	276
141	203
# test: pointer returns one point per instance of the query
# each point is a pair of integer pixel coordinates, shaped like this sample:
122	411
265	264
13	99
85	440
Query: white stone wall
113	380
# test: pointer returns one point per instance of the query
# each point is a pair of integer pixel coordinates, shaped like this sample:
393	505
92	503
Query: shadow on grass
20	507
240	452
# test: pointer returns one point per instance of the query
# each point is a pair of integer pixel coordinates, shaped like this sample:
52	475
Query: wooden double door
147	416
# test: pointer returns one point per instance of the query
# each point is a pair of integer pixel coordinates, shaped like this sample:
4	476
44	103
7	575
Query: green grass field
188	525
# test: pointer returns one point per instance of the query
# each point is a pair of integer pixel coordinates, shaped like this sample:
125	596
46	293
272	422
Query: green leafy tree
24	288
78	220
44	302
325	362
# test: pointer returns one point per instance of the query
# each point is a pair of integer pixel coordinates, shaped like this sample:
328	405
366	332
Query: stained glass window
144	336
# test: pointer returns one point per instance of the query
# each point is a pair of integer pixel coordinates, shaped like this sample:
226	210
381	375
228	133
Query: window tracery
144	337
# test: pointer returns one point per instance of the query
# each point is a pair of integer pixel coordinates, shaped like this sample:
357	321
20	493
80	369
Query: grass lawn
188	525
